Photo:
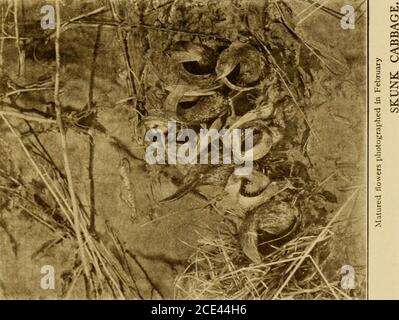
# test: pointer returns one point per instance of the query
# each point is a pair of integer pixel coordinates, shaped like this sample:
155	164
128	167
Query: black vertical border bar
367	149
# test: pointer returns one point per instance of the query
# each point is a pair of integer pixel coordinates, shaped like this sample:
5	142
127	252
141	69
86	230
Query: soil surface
102	106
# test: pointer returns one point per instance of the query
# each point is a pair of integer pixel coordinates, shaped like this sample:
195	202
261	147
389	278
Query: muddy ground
112	171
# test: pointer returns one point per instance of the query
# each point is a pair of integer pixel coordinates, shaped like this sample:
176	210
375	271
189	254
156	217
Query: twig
281	75
21	55
75	205
145	273
65	25
26	117
159	7
331	12
38	218
312	47
307	252
110	24
18	91
64	208
312	3
123	256
43	151
325	9
90	105
131	88
96	251
3	21
311	13
323	277
76	274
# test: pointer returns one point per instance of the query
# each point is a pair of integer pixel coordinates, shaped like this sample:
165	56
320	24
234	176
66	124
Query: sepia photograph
183	150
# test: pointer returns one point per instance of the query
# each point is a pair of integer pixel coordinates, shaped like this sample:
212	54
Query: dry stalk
216	270
21	54
122	37
91	143
319	238
3	22
77	19
42	175
26	117
283	78
93	24
75	206
312	12
18	91
327	10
